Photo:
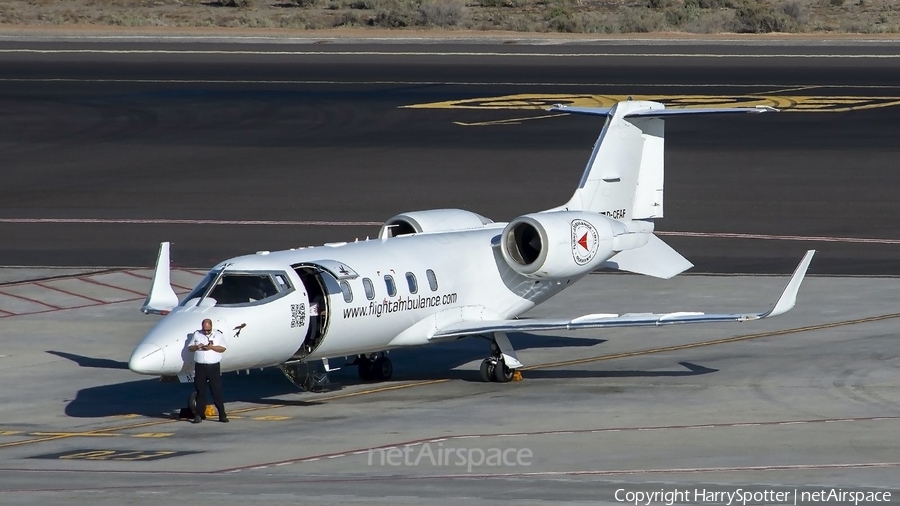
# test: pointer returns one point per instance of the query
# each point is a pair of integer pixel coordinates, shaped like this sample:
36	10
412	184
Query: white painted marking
436	83
258	467
312	460
509	435
445	54
283	464
701	427
746	425
791	423
564	432
436	440
336	456
160	221
360	452
465	437
325	223
727	235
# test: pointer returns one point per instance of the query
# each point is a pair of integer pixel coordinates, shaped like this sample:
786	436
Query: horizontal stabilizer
663	113
655	258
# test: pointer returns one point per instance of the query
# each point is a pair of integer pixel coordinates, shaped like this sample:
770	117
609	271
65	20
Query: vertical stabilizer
624	176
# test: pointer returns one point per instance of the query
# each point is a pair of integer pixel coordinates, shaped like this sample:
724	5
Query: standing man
208	345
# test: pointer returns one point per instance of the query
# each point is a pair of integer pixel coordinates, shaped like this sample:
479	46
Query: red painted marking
42	311
420	441
101	283
770	237
148	277
157	221
31	300
583	241
73	294
136	275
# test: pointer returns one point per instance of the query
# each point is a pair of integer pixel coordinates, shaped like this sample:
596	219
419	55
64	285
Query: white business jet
441	275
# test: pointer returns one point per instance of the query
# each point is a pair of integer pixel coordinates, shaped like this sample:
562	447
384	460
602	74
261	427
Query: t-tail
624	178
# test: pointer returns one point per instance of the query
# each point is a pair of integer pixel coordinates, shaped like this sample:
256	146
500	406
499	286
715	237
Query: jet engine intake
559	244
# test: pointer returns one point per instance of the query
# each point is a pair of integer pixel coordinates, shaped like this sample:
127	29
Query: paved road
317	133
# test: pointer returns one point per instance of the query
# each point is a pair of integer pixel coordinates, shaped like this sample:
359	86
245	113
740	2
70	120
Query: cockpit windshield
240	288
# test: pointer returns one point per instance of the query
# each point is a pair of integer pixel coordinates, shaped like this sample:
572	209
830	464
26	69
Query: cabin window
370	289
282	281
203	286
243	288
348	293
391	286
432	280
411	281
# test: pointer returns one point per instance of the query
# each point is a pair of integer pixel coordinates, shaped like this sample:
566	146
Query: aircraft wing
593	321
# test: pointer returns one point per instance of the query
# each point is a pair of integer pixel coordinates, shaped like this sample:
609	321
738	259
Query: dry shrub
441	12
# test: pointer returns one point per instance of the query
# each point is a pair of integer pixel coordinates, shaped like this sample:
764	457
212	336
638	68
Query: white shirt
208	356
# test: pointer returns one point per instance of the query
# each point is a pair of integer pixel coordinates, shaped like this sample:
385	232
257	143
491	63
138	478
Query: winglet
789	295
161	298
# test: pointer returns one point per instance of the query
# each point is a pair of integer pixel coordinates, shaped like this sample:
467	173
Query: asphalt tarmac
110	147
799	404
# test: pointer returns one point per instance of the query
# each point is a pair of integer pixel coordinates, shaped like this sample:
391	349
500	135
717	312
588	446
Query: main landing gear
376	367
502	364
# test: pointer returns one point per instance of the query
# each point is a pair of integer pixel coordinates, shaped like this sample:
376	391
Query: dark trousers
211	373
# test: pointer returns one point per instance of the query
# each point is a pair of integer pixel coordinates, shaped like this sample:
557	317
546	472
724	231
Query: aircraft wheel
365	369
502	374
487	370
382	369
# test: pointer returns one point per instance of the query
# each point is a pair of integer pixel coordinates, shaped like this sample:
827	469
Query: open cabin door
321	280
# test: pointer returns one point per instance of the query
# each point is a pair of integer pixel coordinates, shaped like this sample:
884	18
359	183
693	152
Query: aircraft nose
147	359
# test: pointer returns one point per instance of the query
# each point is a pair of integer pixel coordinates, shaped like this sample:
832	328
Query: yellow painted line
10	432
74	434
511	121
734	339
542	101
390	388
271	418
151	423
154	434
786	90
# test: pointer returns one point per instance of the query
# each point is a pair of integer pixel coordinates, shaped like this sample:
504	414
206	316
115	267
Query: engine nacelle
435	220
561	244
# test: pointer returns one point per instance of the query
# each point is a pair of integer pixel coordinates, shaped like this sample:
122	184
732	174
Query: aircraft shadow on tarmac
96	363
151	398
